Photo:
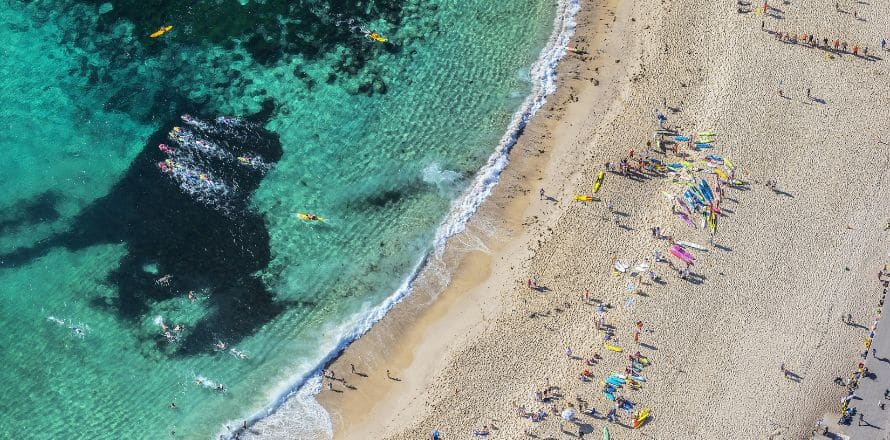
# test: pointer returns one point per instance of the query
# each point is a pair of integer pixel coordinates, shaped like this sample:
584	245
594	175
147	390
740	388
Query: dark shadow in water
40	209
200	245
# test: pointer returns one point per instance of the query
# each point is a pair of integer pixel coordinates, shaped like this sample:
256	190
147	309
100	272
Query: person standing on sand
542	193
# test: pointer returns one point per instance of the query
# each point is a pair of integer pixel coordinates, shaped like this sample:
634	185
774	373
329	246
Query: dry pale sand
788	267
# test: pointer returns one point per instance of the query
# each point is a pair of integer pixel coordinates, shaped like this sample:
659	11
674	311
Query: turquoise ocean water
380	139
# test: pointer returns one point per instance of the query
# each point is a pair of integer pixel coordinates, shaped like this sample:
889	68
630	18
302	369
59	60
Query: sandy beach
474	342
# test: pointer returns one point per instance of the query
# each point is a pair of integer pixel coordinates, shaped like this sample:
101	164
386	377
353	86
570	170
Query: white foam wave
304	387
543	77
445	180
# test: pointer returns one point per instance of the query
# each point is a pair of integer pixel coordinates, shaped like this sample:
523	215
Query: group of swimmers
188	152
207	383
221	346
171	334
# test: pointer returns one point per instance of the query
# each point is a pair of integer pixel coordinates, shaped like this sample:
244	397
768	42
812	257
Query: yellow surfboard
583	198
720	174
377	37
611	347
641	418
599	181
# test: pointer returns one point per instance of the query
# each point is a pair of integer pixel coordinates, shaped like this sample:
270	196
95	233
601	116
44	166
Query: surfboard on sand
614	348
644	414
599	182
690	244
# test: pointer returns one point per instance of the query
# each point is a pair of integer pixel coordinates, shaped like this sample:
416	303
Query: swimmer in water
192	295
178	328
164	280
238	353
220	345
220	388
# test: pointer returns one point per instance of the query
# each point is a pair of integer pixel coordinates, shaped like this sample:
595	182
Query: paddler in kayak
310	217
163	30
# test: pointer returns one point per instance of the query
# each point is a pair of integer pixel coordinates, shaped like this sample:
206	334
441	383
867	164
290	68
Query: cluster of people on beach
847	412
614	387
831	44
696	198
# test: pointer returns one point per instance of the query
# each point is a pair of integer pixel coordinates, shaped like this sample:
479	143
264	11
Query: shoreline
502	225
456	222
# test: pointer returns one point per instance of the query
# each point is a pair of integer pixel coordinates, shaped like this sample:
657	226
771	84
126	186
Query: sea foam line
543	77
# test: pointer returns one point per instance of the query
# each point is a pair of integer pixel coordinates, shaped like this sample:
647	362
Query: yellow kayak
310	217
377	37
163	30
